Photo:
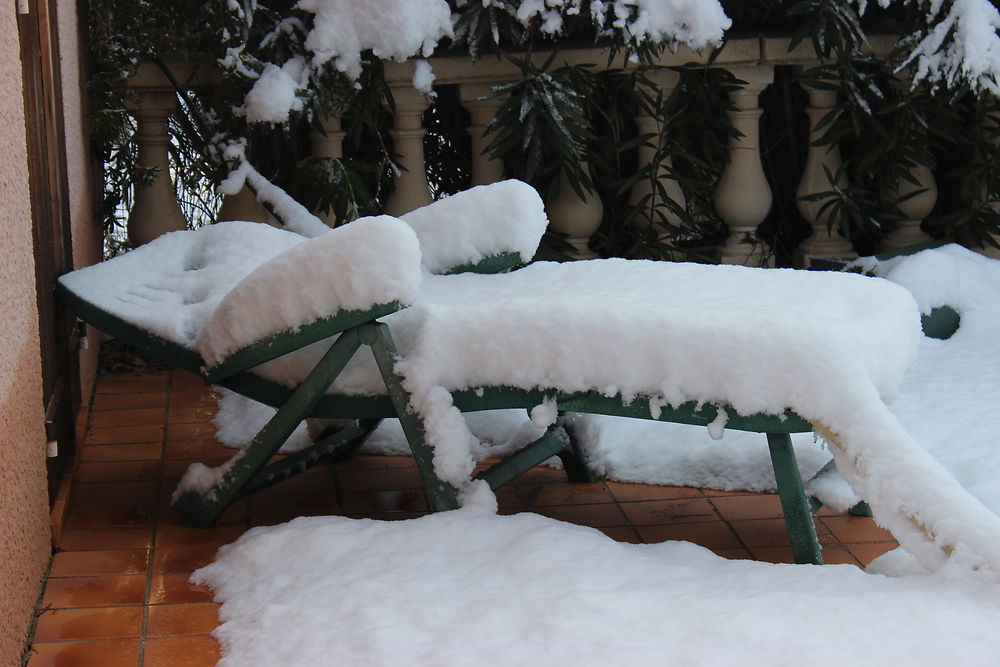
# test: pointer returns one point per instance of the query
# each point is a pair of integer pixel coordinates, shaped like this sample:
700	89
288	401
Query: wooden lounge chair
185	297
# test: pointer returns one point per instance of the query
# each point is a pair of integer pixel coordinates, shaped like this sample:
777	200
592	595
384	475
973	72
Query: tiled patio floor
117	593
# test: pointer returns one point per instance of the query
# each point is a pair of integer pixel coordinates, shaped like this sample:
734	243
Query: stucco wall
24	521
86	235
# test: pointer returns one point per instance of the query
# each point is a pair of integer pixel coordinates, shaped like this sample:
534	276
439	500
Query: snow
273	96
170	286
962	46
391	29
469	587
370	262
910	491
472	225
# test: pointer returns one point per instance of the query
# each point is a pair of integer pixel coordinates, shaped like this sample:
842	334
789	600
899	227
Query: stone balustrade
742	197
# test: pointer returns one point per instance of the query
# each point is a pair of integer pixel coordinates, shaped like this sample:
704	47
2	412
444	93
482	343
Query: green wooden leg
335	446
202	508
573	459
555	441
440	494
794	502
860	509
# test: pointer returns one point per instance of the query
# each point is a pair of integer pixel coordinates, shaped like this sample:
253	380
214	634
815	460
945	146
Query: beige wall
85	233
24	521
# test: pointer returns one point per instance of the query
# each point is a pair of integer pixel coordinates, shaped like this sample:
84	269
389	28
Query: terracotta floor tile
187	414
625	492
196	618
114	493
380	480
129	401
836	554
116	471
236	513
542	495
184	651
542	475
367	502
117	513
149	451
169	534
184	381
720	492
174	469
124	434
90	623
291	506
595	516
306	484
867	552
93	563
853	529
652	512
184	558
733	554
195	431
135	383
833	554
133	417
200	398
68	592
734	508
99	653
622	534
770	532
196	449
84	539
709	534
175	588
508	498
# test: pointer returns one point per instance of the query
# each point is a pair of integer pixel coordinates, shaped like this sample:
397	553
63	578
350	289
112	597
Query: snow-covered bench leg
440	494
795	504
201	501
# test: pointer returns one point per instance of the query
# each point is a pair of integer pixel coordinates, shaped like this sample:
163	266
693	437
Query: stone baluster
914	209
408	141
826	239
243	206
665	81
743	196
485	169
155	210
330	144
577	218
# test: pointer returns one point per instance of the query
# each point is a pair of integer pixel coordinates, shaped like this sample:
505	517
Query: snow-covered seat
259	310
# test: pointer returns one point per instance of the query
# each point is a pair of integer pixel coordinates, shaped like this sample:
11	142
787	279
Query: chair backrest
485	229
324	285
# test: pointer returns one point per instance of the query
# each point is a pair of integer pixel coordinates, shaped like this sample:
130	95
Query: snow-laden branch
343	30
961	44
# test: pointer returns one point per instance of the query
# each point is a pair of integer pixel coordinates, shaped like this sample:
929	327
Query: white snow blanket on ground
472	588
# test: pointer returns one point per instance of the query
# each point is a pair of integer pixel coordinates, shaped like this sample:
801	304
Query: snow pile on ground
471	588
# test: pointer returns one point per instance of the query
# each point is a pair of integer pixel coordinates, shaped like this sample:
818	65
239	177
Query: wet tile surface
118	591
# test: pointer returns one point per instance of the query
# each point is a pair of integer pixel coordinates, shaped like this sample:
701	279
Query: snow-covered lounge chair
255	308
